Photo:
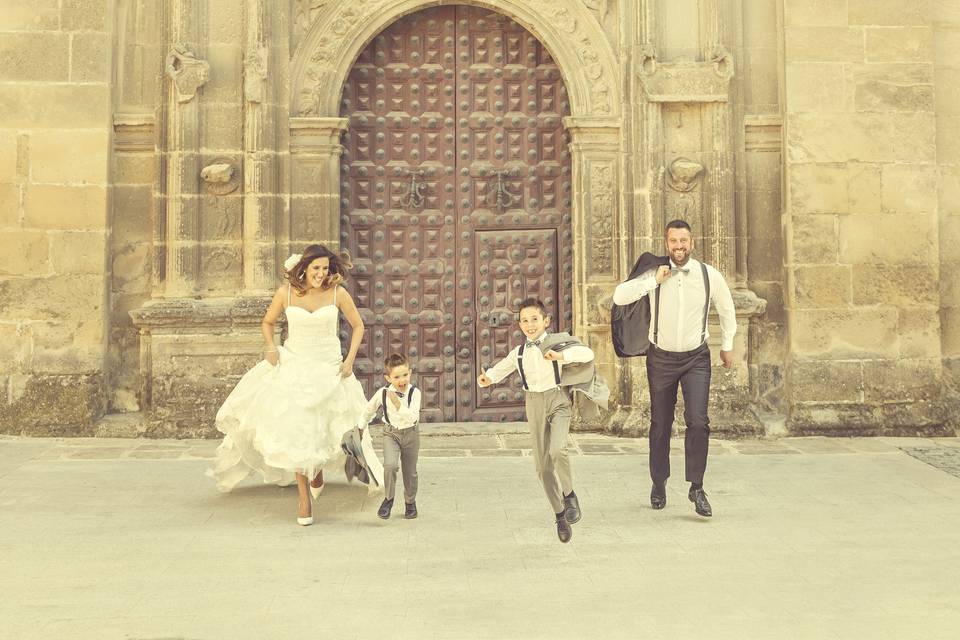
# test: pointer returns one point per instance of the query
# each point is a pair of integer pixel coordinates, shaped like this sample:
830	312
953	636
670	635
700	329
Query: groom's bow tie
680	269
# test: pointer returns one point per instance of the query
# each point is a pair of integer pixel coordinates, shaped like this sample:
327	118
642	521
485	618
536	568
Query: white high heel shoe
316	491
305	522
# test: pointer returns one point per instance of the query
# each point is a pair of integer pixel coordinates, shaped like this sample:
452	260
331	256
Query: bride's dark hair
340	263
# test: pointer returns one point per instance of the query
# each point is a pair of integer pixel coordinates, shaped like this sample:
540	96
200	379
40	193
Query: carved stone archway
570	31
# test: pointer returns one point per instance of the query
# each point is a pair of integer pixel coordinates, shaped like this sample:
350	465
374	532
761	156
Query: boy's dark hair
678	224
533	302
394	360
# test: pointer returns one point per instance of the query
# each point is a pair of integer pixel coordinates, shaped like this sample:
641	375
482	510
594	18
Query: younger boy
540	361
400	403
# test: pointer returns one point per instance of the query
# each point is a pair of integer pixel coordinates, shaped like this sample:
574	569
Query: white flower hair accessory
292	261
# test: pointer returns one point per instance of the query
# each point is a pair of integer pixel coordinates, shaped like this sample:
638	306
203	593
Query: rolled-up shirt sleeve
633	290
578	353
373	405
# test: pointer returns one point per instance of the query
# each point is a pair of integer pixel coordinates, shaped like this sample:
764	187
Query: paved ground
812	538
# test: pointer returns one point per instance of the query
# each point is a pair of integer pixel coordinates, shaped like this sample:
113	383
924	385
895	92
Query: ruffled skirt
288	418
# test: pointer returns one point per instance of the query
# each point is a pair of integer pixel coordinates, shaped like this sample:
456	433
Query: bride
286	416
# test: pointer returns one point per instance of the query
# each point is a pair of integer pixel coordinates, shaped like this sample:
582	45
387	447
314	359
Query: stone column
315	152
178	225
598	224
262	201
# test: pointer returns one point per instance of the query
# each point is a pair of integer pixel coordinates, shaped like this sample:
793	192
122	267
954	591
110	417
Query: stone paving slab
815	544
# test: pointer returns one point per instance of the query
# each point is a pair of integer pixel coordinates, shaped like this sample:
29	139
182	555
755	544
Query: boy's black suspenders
383	401
523	378
706	308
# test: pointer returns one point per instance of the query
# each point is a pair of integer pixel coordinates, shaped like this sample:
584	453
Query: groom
679	356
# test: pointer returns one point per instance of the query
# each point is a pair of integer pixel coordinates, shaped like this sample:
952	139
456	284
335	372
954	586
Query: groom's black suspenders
523	378
383	401
706	308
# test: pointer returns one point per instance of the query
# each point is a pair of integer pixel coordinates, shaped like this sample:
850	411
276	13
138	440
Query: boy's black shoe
571	508
564	532
411	511
384	510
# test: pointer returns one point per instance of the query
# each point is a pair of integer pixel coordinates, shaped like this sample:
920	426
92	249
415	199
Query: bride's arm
268	326
349	309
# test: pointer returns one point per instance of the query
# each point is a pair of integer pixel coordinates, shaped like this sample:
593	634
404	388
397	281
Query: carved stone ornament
683	174
342	18
220	178
255	75
187	72
600	7
601	216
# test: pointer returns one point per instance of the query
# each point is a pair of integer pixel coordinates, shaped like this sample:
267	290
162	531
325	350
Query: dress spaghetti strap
335	287
289	292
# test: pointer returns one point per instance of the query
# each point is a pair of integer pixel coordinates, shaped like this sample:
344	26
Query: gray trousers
401	448
548	416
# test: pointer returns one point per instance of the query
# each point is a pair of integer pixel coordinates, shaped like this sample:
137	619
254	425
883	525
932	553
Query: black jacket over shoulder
630	323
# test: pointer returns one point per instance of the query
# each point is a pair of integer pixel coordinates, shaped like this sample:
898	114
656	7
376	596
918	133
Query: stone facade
158	161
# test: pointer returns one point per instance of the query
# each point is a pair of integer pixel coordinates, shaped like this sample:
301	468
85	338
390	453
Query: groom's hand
726	357
663	272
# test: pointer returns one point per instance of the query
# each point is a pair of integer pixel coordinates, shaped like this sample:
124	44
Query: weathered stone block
948	91
867	137
8	156
49	298
41	105
35	56
9	205
24	252
816	86
892	13
899	44
765	258
901	380
131	268
84	15
65	207
54	405
772	292
134	168
41	15
70	157
896	285
948	139
950	330
814	239
90	57
826	381
824	44
946	13
946	47
822	286
15	350
70	346
760	72
910	188
817	188
73	252
891	87
132	212
760	22
845	334
863	187
919	331
814	13
895	239
226	75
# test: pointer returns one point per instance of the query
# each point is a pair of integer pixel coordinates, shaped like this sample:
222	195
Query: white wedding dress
282	419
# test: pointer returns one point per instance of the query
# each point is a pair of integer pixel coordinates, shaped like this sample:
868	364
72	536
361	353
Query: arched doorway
455	200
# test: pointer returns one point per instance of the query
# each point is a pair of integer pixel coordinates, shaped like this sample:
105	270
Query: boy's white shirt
402	417
537	370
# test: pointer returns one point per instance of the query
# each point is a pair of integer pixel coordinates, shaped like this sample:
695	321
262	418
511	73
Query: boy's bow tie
534	343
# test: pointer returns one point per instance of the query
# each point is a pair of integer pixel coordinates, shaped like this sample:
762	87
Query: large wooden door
455	184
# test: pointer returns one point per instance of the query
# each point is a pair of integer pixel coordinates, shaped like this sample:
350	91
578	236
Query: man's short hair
677	224
533	302
393	361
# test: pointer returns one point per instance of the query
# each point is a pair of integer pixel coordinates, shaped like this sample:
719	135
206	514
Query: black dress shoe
571	508
564	532
411	511
385	508
699	499
658	496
